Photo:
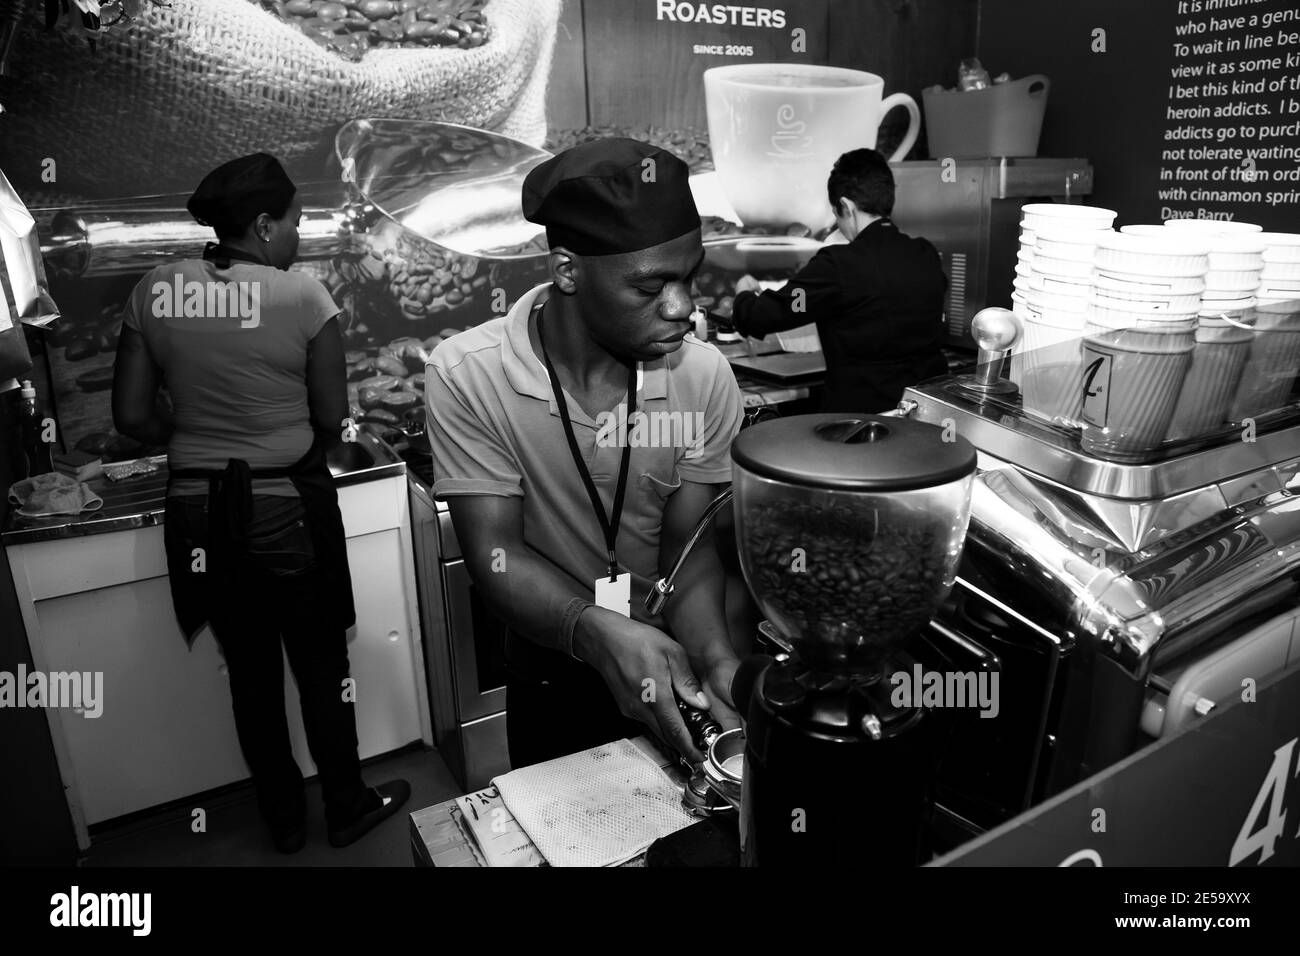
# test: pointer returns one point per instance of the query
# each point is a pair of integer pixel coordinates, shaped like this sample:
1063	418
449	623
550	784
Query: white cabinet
382	648
101	604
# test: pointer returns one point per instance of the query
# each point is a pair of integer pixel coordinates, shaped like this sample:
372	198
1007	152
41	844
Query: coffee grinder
850	529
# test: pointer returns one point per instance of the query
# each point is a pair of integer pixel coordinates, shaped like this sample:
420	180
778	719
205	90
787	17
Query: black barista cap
235	193
853	452
611	196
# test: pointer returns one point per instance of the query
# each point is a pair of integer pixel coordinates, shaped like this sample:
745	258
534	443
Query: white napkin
600	807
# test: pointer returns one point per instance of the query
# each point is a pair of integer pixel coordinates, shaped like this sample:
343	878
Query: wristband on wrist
572	611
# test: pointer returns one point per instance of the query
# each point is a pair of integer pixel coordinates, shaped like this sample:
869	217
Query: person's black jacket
878	303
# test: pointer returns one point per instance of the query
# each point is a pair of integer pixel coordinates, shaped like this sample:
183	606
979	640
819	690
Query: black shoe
391	796
289	839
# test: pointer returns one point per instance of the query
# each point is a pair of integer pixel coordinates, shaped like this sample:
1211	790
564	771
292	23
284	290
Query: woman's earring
266	239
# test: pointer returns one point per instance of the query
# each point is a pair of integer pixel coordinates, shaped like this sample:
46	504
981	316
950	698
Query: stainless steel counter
138	502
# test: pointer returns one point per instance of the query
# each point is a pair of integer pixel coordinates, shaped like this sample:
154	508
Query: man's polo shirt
495	429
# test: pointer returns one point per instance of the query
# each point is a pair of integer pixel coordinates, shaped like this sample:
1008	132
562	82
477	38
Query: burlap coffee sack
187	86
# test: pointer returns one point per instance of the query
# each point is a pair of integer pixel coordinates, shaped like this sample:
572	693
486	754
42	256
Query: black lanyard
608	525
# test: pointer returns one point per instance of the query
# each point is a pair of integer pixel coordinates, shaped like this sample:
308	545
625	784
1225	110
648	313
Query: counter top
138	502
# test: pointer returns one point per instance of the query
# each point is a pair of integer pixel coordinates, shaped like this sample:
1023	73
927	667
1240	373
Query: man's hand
642	667
718	687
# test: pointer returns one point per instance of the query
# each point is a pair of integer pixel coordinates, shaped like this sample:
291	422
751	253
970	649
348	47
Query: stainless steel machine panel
970	210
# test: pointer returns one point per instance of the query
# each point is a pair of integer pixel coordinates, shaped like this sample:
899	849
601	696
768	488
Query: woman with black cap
252	359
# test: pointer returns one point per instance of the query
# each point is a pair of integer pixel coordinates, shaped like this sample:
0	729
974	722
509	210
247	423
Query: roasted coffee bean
400	399
390	366
420	30
96	380
865	579
83	347
353	26
361	370
383	383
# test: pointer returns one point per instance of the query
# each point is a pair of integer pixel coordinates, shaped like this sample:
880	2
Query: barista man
877	301
566	519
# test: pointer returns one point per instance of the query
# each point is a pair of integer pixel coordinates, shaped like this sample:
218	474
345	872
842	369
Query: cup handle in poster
913	122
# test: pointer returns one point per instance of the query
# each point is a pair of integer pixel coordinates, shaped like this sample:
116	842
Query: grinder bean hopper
850	529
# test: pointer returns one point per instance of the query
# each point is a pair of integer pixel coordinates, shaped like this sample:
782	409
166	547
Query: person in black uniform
877	301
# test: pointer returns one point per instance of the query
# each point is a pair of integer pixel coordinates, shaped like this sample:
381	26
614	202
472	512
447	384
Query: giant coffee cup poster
407	126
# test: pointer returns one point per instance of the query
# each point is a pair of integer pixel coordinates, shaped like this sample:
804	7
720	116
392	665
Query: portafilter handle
703	728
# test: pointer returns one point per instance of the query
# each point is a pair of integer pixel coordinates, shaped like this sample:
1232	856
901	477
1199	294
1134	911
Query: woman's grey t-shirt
232	344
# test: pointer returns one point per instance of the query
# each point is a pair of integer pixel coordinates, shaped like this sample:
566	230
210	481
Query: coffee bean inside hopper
844	581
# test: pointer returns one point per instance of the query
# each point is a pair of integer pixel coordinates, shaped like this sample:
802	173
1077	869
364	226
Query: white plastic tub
1244	280
1051	266
1108	298
1168	285
1281	246
1274	272
1211	226
1044	215
1071	245
1152	255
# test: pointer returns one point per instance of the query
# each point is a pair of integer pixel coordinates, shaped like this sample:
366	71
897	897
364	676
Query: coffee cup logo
789	140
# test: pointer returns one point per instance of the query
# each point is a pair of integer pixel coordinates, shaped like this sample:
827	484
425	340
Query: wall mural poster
134	114
110	123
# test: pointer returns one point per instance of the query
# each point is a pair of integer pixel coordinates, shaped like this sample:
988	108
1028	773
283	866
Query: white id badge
615	595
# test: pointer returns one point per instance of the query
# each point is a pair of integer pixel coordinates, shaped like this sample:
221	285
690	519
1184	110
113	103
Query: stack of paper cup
1223	345
1053	279
1050	217
1046	363
1236	261
1270	370
1140	337
1133	375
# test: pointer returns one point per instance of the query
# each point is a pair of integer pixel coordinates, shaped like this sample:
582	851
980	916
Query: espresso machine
1119	600
850	529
